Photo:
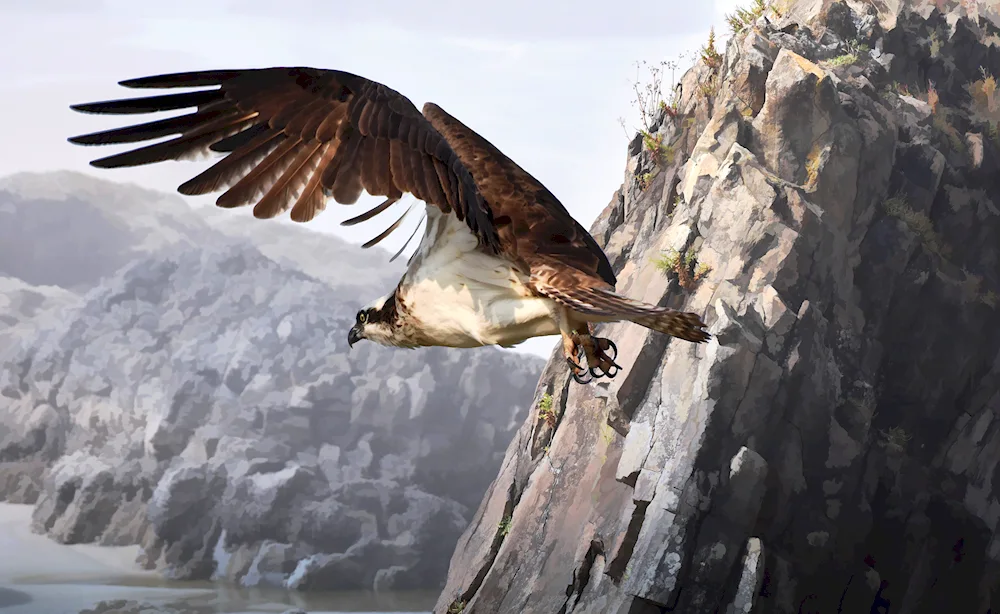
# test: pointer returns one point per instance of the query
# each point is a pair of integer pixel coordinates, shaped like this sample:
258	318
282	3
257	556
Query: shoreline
41	576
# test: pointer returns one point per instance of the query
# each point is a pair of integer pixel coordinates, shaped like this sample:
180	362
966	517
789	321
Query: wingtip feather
181	79
86	107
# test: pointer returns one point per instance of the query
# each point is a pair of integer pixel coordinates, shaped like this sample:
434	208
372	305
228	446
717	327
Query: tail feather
609	304
683	325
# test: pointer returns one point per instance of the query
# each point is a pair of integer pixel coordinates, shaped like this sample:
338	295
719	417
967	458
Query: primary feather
501	260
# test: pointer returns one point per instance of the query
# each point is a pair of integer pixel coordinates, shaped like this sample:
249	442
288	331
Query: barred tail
683	325
609	304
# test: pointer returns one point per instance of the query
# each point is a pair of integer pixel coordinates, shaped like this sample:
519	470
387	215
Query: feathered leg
572	344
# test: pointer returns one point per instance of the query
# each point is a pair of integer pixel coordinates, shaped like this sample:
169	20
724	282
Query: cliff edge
827	194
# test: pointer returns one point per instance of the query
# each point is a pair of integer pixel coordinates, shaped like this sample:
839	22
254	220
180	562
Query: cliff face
832	185
202	401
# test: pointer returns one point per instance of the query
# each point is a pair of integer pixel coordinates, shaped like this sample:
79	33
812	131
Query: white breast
460	297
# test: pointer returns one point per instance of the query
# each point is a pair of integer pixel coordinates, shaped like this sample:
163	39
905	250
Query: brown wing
294	137
535	229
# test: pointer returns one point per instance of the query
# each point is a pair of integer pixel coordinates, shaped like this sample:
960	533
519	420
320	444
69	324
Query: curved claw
599	372
578	375
613	348
607	344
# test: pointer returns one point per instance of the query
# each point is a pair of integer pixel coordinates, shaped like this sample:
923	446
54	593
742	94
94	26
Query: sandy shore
38	555
40	576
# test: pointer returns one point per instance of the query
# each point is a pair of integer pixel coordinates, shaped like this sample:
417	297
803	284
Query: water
39	576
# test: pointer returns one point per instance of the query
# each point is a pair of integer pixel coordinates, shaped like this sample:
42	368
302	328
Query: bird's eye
362	317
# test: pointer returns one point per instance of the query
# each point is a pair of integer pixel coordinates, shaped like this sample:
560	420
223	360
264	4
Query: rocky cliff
200	400
826	192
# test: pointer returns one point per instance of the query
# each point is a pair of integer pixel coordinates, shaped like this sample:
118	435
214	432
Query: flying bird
500	261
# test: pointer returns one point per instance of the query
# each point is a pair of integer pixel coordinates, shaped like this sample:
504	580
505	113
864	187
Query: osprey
500	261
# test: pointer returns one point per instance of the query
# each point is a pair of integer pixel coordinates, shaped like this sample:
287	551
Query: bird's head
375	322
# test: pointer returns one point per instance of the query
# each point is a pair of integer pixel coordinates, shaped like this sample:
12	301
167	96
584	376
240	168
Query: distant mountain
70	230
21	301
200	399
366	273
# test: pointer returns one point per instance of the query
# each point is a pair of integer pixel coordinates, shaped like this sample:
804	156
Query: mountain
71	230
826	193
191	390
21	301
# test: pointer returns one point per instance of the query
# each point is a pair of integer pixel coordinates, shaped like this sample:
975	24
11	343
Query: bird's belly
469	311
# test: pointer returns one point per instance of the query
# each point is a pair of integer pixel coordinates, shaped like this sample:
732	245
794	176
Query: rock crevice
833	447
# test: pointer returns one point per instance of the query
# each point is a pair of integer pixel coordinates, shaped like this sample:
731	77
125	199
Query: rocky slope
21	302
831	186
201	401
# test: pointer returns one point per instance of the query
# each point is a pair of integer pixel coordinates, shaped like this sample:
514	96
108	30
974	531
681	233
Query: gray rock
831	449
131	606
197	398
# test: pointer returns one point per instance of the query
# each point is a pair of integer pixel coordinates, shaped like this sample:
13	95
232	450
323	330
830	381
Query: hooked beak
354	336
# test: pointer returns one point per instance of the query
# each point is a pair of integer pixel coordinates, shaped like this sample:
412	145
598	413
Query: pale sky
544	81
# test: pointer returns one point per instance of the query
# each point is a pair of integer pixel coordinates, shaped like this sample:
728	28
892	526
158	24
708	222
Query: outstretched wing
534	227
294	137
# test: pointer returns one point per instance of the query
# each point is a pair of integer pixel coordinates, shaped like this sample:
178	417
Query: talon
578	372
596	372
607	344
613	371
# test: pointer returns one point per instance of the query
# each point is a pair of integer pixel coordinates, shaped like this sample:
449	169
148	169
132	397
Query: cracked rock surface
833	448
200	400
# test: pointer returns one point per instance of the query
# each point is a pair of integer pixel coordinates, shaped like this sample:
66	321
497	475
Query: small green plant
504	526
895	438
685	266
709	54
935	44
990	299
710	87
743	18
546	411
645	180
662	152
667	262
843	60
921	225
853	52
457	606
670	110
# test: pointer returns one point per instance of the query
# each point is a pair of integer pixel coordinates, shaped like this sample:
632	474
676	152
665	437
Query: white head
376	322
